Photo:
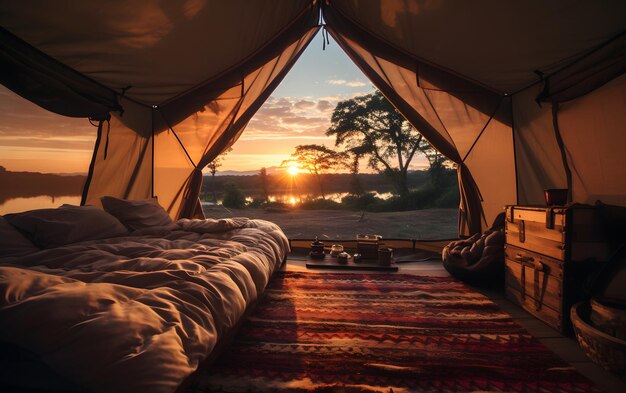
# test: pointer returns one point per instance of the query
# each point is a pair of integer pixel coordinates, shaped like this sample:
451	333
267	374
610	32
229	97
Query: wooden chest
549	254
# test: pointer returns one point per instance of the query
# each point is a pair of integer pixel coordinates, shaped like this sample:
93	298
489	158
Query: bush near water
424	193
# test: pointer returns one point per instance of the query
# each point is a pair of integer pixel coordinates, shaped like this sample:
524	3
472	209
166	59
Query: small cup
342	257
335	249
384	256
556	196
317	248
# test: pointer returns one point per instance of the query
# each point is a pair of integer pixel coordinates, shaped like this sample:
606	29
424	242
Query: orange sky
298	112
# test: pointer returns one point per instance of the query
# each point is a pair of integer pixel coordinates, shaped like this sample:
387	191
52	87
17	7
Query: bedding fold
138	312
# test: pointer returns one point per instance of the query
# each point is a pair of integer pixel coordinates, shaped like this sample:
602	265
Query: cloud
304	104
343	82
30	133
324	105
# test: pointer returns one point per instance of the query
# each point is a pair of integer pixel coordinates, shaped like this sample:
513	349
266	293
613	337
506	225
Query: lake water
39	202
16	205
294	199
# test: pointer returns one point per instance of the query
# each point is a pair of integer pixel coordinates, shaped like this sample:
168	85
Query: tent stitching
583	56
483	130
296	20
156	108
441	121
395	47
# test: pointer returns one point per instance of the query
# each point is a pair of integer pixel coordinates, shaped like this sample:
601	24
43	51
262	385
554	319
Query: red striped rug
383	333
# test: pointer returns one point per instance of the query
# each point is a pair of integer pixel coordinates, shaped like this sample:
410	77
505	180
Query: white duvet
137	313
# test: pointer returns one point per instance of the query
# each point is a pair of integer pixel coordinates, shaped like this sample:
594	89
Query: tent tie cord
106	143
124	90
545	92
325	39
100	121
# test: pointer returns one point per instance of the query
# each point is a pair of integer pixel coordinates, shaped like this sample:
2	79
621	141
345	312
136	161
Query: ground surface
427	224
565	347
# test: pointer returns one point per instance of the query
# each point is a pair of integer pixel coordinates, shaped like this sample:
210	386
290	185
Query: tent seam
573	62
440	67
156	108
483	130
92	165
268	43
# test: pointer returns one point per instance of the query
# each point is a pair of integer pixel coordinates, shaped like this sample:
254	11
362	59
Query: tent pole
92	165
514	152
152	132
559	141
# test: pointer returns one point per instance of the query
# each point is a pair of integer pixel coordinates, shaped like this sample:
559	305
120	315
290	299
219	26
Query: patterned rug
383	333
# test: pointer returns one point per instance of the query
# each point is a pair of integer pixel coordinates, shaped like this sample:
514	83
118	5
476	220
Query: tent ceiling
224	58
497	43
160	48
165	48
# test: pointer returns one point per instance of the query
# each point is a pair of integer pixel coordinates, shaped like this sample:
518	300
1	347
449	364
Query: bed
135	312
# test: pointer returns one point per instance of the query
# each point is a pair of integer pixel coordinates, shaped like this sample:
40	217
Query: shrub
233	197
314	204
257	202
423	198
449	198
359	202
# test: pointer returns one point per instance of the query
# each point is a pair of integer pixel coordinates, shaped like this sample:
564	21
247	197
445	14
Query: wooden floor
565	347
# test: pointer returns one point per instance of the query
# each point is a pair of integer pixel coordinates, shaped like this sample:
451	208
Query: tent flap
50	84
175	83
450	112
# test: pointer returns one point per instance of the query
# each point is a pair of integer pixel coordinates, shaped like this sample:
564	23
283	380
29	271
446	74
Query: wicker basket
605	350
608	317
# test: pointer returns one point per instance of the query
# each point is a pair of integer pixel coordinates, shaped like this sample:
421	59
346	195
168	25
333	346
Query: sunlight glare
293	170
292	201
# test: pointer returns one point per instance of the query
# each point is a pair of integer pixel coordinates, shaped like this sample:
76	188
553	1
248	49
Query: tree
354	159
213	166
233	197
264	184
317	160
370	123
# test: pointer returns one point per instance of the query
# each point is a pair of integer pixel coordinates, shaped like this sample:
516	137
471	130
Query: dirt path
428	224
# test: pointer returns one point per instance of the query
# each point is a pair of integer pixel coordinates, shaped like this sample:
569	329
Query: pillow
49	228
12	242
139	214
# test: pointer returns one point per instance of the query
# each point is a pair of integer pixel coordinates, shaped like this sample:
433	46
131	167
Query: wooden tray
331	263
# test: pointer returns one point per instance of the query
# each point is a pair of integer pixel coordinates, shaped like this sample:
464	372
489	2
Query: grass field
426	224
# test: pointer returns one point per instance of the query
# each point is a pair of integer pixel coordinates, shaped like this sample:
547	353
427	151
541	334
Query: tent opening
289	166
348	192
507	105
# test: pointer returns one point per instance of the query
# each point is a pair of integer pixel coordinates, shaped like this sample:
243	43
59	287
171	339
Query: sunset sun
293	170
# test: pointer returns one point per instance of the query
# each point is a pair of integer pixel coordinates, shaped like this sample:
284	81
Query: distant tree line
31	184
367	128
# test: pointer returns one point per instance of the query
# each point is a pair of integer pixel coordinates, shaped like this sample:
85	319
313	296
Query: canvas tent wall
182	78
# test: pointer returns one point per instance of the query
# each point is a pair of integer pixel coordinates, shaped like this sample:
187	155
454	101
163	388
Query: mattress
137	313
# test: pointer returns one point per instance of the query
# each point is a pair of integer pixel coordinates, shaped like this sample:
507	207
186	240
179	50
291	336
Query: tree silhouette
213	166
264	184
354	159
370	124
317	160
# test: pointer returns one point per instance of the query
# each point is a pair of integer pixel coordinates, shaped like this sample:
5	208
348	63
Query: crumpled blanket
137	313
477	260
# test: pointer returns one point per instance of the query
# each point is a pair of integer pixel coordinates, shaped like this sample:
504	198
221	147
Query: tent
523	96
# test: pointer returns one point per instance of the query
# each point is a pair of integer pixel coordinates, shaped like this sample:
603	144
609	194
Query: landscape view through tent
306	161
